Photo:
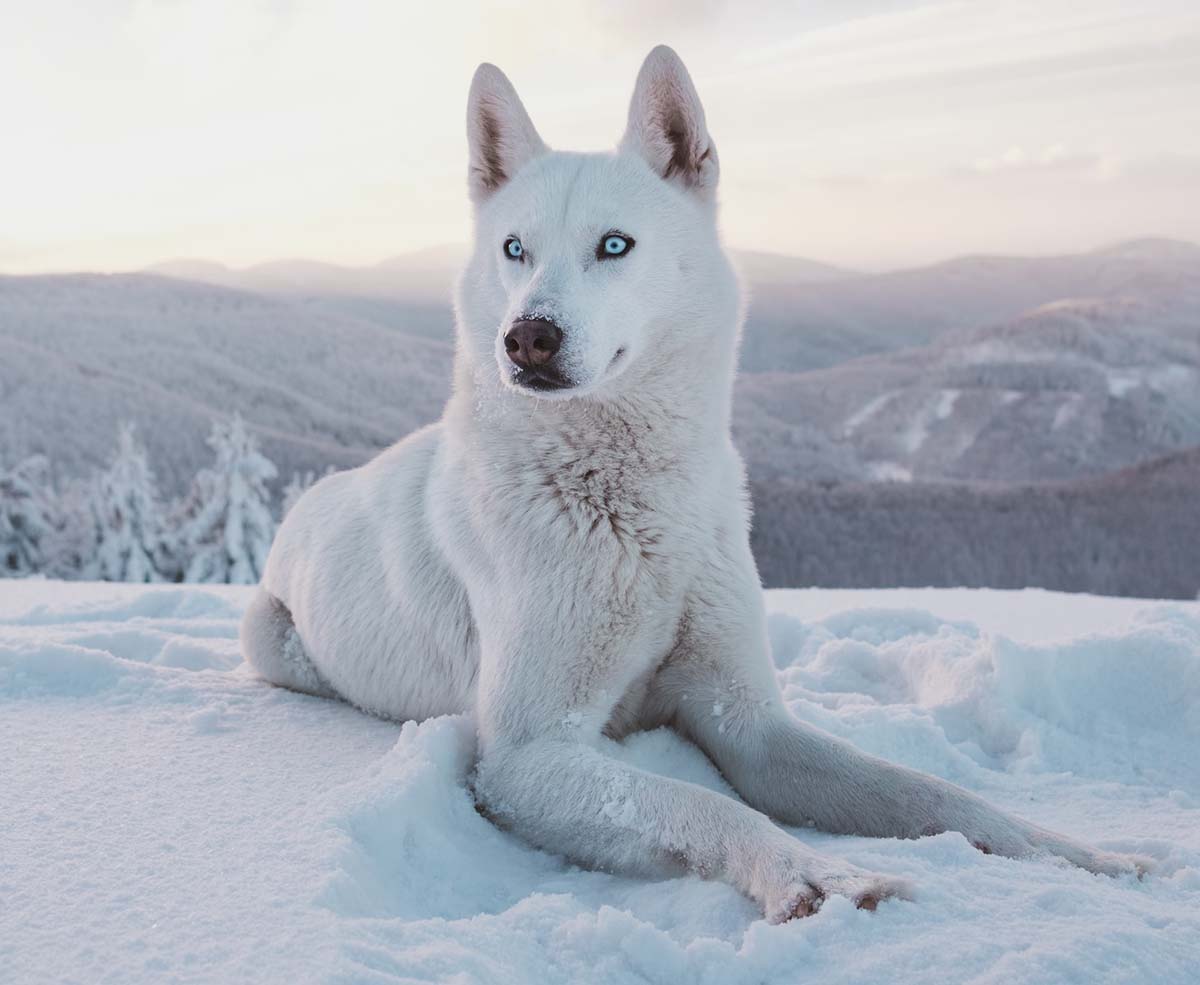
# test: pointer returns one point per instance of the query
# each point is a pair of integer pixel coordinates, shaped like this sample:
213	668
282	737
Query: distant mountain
801	326
81	353
428	275
1133	533
423	277
803	315
1070	389
408	294
760	270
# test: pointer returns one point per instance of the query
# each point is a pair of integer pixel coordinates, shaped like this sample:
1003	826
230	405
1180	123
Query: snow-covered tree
69	552
130	538
27	517
227	524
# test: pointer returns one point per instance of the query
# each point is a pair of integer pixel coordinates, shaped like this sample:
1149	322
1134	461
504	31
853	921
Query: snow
889	472
168	817
1160	378
865	413
946	401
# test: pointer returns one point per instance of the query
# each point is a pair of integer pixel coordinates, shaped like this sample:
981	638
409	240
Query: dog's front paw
867	889
1115	864
802	896
793	902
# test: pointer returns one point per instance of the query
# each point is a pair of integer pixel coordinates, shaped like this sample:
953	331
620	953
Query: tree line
1136	532
1132	533
115	526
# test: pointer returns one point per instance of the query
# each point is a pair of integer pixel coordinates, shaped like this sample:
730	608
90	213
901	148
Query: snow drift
168	817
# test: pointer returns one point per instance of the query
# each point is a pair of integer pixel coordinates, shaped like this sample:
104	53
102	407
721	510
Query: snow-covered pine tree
130	541
27	517
70	551
227	524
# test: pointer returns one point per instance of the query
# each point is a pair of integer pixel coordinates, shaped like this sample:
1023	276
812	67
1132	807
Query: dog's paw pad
868	892
797	905
805	906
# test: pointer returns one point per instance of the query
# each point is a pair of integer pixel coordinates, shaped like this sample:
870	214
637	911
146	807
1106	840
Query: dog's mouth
548	380
543	379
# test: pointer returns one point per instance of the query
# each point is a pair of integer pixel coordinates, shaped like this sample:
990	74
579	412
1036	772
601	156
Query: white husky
566	553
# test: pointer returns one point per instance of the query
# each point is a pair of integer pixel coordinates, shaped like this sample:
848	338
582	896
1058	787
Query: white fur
575	565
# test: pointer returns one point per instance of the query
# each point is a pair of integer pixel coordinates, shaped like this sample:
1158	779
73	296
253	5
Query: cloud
247	129
1056	157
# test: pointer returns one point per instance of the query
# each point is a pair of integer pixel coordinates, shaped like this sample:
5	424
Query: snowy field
165	817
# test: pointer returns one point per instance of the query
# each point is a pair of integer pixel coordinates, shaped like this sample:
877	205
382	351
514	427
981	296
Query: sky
867	133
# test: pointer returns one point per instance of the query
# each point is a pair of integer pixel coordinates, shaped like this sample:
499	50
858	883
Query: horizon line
450	245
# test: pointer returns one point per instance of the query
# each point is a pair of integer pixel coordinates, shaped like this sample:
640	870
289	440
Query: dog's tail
272	646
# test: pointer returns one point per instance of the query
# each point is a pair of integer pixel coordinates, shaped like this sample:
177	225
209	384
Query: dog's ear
500	135
666	124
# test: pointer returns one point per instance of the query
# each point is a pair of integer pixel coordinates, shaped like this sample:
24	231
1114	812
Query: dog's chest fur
615	493
578	528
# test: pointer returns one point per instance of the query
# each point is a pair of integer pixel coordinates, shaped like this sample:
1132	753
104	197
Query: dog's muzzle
532	345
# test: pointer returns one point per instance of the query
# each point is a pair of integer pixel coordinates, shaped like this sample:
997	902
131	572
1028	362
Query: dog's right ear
666	125
500	135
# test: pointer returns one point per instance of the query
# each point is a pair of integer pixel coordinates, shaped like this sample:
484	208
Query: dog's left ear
666	125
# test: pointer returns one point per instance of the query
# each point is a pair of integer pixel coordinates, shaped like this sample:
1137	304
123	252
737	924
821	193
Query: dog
566	555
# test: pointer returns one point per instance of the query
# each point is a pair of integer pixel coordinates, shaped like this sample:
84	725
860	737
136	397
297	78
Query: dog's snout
532	342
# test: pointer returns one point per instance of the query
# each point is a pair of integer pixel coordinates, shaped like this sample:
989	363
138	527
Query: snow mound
1115	707
168	817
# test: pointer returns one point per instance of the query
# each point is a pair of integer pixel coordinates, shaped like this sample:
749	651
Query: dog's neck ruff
675	427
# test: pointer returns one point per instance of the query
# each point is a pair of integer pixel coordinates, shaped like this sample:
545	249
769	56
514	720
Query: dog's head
587	265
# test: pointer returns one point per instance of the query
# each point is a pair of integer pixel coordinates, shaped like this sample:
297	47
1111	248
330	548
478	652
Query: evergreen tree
227	524
130	539
27	517
70	550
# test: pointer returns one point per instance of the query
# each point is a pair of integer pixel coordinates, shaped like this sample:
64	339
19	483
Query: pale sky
863	132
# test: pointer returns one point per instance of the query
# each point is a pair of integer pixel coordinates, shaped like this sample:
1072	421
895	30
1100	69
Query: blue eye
613	245
513	248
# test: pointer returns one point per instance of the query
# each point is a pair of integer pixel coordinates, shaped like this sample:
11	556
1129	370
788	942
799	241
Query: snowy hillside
1133	532
79	354
167	817
409	293
1071	389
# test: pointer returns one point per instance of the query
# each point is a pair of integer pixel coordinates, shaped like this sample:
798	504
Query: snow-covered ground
166	817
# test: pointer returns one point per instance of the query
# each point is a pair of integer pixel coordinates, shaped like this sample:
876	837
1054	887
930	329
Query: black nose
532	342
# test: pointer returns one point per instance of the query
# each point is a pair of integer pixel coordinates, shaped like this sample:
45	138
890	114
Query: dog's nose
532	342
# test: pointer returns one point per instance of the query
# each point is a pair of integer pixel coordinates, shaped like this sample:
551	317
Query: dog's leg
543	772
719	688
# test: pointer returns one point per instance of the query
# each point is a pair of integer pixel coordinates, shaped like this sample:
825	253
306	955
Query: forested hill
1136	533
